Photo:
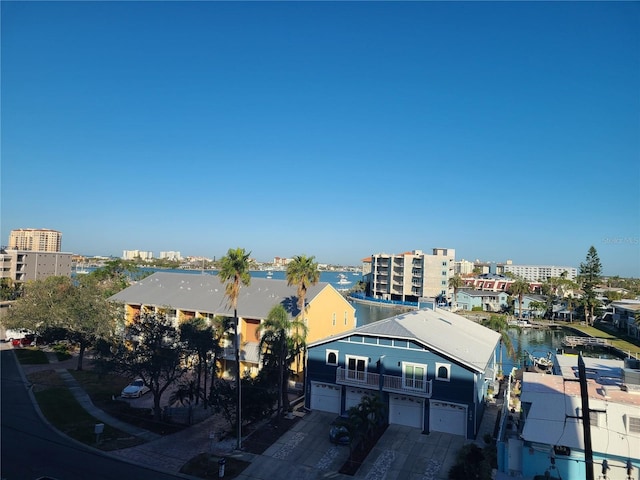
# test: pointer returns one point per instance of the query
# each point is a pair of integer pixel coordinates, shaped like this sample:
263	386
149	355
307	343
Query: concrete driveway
403	453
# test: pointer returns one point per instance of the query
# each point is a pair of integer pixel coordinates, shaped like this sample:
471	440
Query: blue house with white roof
431	369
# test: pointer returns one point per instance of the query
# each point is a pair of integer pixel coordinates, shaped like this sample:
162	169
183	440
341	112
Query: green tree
499	323
199	341
150	350
302	272
9	290
116	275
456	282
519	289
282	340
590	271
234	272
77	310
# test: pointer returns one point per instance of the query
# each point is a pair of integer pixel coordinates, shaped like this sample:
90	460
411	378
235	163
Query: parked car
135	389
339	435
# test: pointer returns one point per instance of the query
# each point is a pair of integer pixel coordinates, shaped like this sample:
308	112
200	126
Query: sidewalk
166	453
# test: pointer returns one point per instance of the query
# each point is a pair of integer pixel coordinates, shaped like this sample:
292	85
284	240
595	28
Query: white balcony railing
390	383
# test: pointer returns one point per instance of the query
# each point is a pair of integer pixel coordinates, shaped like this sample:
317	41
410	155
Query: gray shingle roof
205	293
440	330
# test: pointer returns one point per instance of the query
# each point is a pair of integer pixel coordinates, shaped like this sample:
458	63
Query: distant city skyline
504	130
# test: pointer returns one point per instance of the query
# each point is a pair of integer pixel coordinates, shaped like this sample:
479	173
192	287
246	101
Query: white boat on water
269	274
542	364
343	279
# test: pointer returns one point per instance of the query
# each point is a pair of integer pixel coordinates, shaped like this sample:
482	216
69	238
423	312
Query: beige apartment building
35	239
412	275
25	265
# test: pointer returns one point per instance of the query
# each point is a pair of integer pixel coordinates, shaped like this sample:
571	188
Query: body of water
537	342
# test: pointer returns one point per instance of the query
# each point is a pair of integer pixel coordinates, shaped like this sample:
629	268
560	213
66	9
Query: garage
448	418
406	411
325	397
353	397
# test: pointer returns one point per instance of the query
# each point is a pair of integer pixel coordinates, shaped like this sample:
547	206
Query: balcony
390	383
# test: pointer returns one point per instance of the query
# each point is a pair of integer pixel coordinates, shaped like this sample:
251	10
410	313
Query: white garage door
353	397
325	397
406	411
448	418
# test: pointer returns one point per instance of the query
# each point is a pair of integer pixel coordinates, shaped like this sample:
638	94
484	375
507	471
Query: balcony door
357	368
415	376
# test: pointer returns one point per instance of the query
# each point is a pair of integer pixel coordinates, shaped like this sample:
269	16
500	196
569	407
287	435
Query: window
332	357
414	376
633	424
443	372
356	368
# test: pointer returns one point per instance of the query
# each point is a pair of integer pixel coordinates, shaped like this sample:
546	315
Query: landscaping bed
361	450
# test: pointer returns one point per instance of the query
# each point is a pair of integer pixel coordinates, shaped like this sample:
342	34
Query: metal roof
206	294
556	403
440	330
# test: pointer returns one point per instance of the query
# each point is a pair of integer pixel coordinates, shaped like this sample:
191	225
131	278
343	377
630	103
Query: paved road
30	448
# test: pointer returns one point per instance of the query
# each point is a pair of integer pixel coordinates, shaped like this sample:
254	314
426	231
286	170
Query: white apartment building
134	254
171	256
412	275
463	267
539	273
35	239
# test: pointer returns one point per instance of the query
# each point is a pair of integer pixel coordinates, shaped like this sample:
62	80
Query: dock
573	341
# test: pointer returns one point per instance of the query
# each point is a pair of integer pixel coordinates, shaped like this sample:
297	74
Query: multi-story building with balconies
539	273
24	265
35	239
412	275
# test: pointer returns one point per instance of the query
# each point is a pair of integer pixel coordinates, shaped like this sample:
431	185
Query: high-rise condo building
412	275
35	239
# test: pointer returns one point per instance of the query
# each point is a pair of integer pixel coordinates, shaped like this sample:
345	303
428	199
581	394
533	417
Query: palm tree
456	282
199	340
519	288
282	340
302	272
234	271
499	324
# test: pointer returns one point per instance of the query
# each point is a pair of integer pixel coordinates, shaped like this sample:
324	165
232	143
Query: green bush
62	351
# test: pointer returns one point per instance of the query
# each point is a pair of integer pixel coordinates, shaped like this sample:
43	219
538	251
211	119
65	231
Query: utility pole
586	420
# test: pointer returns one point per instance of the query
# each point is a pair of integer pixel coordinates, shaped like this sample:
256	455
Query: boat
541	364
269	274
343	279
519	323
81	270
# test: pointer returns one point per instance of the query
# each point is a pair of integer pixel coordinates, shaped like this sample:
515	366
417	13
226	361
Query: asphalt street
30	448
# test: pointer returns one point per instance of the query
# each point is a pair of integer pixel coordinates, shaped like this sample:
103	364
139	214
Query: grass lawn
103	387
31	356
617	339
63	411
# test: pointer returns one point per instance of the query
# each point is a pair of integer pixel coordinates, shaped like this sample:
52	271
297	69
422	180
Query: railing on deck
390	383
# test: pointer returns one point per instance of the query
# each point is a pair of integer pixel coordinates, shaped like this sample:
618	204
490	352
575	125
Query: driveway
403	453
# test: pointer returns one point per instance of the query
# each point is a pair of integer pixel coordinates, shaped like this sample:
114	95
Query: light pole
238	381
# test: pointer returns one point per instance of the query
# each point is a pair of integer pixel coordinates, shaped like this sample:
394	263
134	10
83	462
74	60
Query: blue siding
386	357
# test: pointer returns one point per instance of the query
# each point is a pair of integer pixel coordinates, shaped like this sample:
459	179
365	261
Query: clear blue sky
505	130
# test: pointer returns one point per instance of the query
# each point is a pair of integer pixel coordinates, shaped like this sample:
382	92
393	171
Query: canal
537	342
